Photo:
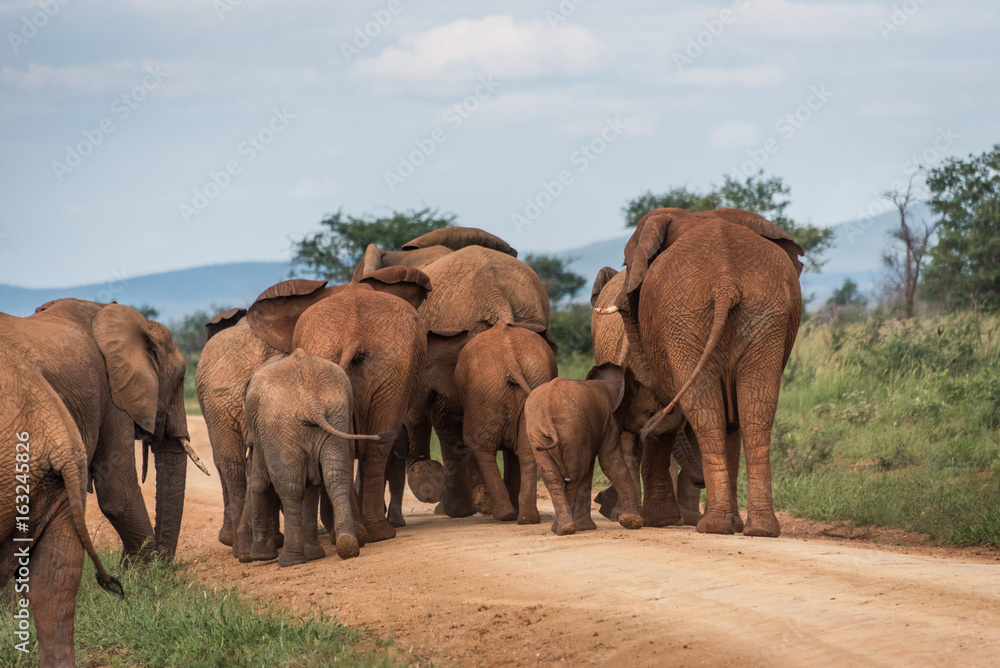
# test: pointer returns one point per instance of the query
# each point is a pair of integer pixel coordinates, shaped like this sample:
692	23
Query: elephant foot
427	481
716	524
262	550
359	532
630	521
313	552
608	500
289	559
690	517
395	517
226	536
563	528
585	523
481	499
659	514
738	522
762	524
529	517
454	506
378	529
347	546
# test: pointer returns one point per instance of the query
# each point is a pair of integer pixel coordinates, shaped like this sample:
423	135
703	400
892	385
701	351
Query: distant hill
856	254
173	293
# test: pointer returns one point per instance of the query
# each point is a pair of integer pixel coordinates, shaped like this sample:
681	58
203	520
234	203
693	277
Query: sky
139	136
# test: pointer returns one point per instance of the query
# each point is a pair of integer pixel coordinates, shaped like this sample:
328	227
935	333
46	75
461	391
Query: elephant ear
443	348
122	335
224	320
764	228
457	238
273	315
407	283
615	376
541	330
373	260
647	242
603	276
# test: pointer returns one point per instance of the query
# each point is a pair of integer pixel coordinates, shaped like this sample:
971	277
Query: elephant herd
448	334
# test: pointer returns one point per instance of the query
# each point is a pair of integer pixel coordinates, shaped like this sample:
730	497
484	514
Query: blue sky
140	136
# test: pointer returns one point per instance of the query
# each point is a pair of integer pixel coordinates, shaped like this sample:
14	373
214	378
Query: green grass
169	619
894	424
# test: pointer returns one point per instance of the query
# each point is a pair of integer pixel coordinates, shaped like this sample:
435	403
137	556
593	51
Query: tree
903	265
848	295
964	267
559	281
189	333
332	253
766	197
678	197
148	312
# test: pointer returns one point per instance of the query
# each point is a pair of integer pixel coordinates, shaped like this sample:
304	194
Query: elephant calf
569	423
298	411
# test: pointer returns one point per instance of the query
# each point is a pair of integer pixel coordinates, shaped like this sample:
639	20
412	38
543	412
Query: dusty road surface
476	592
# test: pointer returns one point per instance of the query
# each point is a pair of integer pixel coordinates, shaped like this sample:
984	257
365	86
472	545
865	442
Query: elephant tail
726	296
321	422
74	484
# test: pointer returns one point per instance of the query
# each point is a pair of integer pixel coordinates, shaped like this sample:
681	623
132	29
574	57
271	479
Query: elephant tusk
606	310
194	456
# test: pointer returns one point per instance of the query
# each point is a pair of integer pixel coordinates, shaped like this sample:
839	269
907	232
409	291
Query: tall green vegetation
964	268
168	618
894	424
767	197
332	253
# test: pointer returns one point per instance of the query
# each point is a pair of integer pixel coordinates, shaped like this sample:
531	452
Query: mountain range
856	254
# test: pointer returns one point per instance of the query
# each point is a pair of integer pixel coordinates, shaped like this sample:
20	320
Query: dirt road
476	592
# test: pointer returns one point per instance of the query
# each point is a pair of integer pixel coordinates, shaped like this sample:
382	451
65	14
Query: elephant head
146	378
375	258
275	313
457	238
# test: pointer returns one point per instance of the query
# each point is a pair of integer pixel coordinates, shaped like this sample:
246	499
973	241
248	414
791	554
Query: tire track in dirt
477	592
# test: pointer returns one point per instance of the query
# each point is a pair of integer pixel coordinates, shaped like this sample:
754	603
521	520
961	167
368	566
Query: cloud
734	135
733	77
495	45
78	78
892	109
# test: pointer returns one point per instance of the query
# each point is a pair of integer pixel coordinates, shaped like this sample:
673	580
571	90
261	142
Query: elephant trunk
170	460
688	455
336	463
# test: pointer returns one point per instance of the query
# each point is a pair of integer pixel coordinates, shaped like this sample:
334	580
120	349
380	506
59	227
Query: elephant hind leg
311	548
395	475
733	464
757	408
706	415
581	501
56	565
659	506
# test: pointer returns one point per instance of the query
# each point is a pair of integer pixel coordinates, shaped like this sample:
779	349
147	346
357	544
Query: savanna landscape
575	368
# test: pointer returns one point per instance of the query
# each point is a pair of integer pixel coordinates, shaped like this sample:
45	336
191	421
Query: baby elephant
569	423
298	411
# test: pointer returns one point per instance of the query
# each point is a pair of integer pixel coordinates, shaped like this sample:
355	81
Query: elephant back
475	287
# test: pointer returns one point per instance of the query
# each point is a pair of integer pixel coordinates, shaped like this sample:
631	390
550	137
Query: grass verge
168	618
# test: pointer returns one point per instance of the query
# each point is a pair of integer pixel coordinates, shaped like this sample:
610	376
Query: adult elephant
122	378
479	283
711	307
372	331
43	485
671	494
230	356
